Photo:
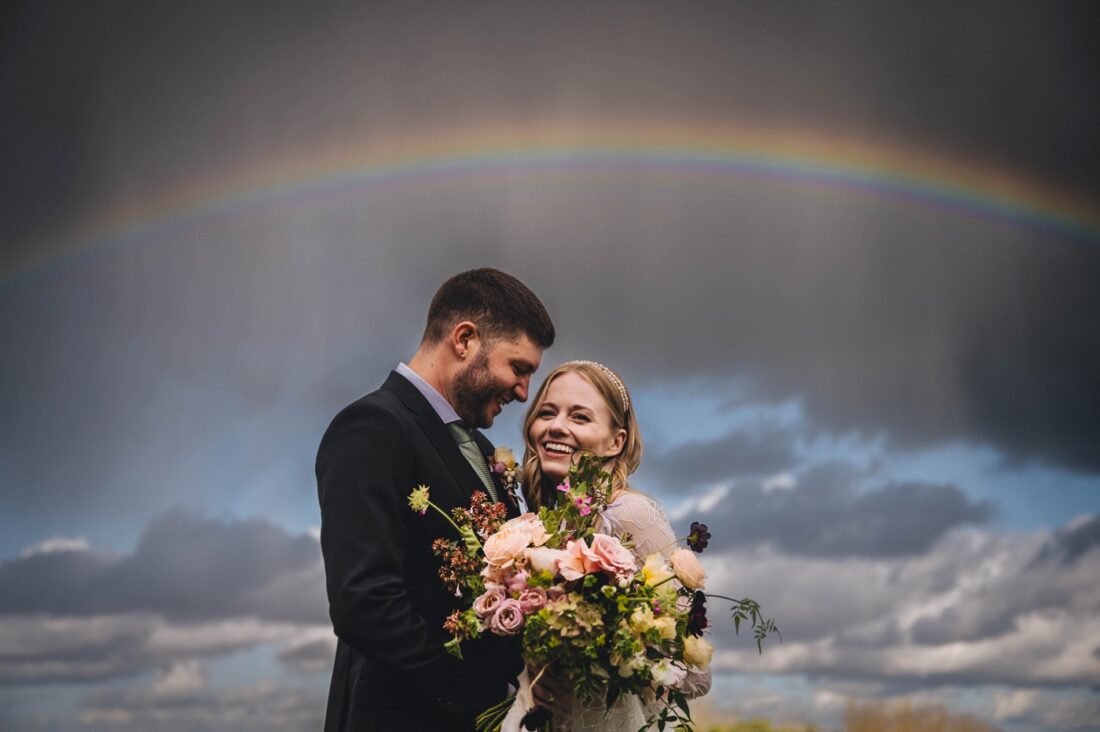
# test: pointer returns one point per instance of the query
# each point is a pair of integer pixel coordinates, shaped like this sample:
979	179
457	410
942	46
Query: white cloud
54	545
779	482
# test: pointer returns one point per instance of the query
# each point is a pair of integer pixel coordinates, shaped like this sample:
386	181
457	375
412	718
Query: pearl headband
609	374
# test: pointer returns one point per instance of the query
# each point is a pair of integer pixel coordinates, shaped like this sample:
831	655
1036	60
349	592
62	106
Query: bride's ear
617	442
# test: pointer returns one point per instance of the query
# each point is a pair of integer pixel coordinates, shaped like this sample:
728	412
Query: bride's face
572	416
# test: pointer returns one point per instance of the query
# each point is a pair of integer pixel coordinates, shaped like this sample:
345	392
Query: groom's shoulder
382	404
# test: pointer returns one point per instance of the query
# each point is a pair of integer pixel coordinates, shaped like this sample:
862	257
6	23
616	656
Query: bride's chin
554	473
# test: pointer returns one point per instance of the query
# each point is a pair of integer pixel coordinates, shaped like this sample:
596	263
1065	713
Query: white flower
668	673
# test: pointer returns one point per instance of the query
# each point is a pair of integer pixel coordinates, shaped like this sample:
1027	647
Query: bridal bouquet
578	599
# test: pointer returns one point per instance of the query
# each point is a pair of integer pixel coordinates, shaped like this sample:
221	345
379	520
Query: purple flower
508	618
532	600
487	603
698	538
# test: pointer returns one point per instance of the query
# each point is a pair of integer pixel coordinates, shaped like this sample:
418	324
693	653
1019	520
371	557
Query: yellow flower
418	499
655	570
697	652
666	626
504	456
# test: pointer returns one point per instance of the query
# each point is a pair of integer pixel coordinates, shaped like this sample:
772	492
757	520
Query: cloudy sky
847	256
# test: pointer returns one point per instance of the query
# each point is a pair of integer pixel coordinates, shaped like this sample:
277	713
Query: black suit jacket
386	600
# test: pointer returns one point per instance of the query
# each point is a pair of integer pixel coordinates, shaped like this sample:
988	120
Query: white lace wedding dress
642	518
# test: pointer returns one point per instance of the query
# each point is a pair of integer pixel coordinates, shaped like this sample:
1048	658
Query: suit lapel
438	434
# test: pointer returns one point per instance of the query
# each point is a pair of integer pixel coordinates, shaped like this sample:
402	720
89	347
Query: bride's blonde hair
537	489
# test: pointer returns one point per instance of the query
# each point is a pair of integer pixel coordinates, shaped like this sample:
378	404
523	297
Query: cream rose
687	569
544	559
697	652
614	558
502	548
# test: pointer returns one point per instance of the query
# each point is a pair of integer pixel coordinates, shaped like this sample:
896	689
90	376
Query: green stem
450	520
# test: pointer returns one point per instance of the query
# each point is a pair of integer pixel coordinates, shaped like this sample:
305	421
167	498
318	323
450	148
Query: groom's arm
364	475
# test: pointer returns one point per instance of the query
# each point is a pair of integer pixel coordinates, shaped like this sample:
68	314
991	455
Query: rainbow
791	158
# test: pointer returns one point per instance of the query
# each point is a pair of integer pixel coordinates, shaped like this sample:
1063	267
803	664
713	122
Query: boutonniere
503	463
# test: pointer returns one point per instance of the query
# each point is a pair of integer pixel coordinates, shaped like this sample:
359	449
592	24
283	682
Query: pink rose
554	593
502	548
577	561
486	603
532	600
516	582
614	558
508	618
544	559
529	524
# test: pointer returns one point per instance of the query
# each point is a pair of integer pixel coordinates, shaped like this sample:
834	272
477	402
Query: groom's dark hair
498	303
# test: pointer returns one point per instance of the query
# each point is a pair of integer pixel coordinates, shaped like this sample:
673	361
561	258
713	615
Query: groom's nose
520	389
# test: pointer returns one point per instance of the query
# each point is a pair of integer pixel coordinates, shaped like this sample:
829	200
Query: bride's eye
582	417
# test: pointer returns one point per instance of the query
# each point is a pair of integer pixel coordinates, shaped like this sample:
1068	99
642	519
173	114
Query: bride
583	405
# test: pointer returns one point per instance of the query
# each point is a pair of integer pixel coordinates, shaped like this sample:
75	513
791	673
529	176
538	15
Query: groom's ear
465	339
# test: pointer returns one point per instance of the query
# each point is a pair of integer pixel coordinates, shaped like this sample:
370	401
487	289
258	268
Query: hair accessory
609	374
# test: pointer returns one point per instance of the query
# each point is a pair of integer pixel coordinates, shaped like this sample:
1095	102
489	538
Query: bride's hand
549	691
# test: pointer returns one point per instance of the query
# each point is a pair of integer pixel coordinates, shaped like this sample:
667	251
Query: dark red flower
697	615
698	538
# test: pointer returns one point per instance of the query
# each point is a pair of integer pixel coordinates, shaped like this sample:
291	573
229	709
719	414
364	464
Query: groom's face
498	373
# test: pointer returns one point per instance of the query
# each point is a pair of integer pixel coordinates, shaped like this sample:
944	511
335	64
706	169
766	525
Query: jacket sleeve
364	475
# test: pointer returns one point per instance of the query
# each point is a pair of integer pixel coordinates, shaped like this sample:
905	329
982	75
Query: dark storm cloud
100	100
252	329
829	515
740	453
185	567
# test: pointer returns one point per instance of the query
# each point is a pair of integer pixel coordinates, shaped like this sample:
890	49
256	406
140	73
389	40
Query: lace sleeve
642	518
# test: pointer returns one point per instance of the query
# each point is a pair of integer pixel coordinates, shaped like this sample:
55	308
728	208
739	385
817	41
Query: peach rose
614	558
528	524
502	548
578	561
687	569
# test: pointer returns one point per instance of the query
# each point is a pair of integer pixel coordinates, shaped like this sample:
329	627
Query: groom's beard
474	390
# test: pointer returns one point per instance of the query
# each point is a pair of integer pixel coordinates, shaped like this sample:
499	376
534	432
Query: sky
845	256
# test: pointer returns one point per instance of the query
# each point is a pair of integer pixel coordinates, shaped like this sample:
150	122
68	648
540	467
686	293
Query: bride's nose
557	425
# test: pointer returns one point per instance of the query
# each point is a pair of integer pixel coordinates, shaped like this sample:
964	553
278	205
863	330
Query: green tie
472	453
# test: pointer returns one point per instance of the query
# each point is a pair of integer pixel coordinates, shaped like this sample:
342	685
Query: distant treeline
877	717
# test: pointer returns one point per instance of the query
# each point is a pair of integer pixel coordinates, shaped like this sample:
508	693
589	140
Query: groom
485	335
